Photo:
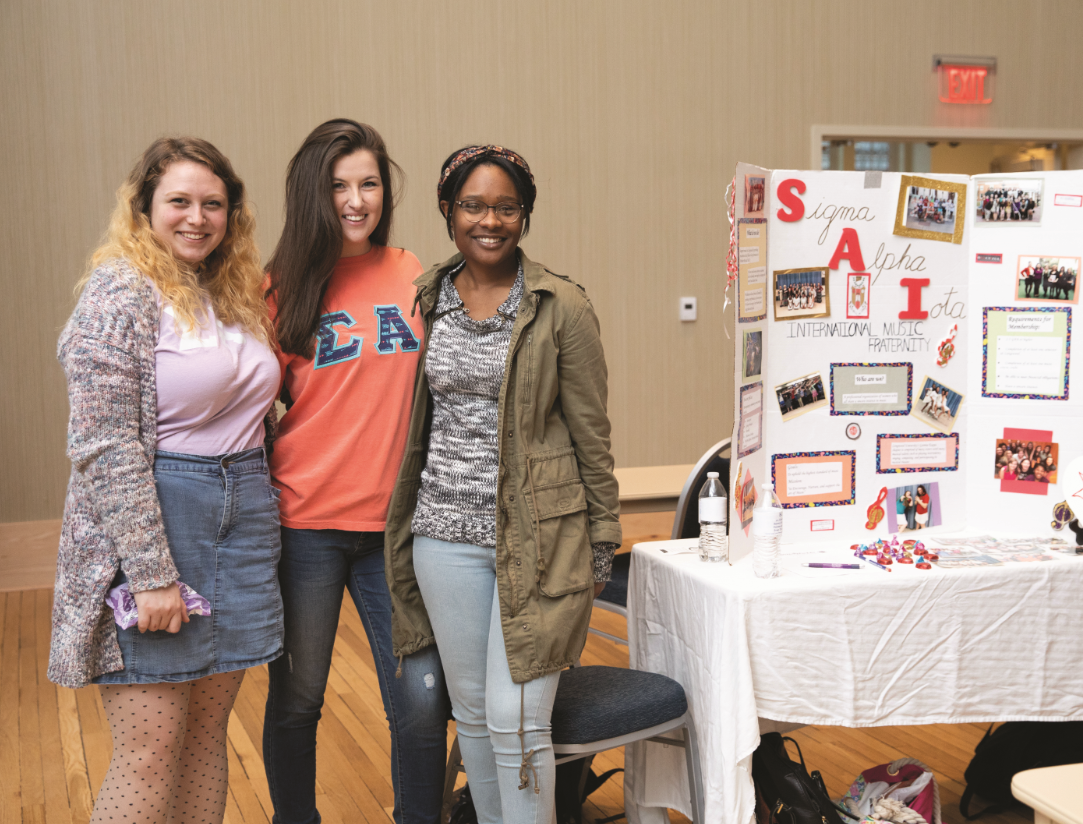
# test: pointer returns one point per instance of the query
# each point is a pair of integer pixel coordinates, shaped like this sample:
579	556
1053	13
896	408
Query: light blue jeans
458	584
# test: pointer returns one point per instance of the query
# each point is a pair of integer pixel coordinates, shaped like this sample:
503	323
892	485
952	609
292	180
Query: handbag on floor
1014	747
789	793
902	791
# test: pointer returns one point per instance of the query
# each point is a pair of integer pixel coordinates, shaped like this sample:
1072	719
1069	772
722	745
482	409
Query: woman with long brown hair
341	299
171	382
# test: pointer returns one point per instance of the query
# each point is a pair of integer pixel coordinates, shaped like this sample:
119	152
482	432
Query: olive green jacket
555	484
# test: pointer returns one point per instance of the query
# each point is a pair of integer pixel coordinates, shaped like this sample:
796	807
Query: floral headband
473	152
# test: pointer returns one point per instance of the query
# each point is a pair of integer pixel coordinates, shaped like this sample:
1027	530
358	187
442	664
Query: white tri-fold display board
903	353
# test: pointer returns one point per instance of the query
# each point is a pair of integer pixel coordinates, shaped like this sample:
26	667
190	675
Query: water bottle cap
712	474
768	486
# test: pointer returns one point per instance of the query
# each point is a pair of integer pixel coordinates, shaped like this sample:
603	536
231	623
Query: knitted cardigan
112	518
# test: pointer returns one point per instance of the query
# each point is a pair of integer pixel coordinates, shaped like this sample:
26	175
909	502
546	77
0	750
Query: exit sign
965	80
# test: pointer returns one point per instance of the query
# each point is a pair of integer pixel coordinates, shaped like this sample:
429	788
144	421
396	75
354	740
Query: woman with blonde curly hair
171	382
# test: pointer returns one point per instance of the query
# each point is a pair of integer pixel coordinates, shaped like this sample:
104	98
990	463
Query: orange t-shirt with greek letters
342	439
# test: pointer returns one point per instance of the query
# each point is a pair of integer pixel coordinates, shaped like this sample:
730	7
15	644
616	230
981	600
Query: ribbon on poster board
731	255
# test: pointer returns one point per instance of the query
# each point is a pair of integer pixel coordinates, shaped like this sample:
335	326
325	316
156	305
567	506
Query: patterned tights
169	751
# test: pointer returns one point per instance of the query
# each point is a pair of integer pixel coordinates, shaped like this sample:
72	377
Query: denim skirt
221	523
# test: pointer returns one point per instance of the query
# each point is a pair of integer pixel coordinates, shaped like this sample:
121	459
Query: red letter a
849	248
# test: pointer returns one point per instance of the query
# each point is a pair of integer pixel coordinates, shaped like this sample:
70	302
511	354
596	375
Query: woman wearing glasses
349	349
503	522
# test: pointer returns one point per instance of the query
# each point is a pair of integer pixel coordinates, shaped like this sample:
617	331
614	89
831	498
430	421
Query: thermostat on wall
687	310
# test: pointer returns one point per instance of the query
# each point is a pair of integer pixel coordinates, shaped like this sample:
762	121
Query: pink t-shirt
215	385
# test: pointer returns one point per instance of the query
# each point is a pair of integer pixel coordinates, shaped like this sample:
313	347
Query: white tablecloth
855	649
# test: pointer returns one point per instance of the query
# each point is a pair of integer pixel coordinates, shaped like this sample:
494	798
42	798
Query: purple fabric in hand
127	616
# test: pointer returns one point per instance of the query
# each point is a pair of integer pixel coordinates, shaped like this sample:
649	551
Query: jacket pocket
567	563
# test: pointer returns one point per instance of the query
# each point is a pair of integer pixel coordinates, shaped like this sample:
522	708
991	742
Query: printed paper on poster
751	269
813	479
1026	352
917	453
750	433
1029	366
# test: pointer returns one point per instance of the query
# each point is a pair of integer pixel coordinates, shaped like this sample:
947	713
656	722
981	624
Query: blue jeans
316	565
458	583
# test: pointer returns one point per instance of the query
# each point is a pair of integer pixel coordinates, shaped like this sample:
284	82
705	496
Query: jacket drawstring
524	776
537	523
398	672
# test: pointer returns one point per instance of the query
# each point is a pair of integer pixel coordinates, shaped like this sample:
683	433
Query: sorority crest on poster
858	285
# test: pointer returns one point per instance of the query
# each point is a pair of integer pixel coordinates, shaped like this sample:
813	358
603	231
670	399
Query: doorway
944	151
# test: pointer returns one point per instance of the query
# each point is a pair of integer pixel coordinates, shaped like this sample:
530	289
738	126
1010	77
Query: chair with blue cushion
600	708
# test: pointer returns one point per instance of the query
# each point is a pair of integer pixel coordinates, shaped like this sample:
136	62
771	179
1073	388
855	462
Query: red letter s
787	198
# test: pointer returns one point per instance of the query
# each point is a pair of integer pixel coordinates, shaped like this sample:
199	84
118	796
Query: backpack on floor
1014	747
790	794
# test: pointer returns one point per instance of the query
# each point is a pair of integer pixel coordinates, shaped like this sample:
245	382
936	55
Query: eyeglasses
475	210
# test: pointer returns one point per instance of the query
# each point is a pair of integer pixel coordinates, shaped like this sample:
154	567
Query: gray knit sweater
112	519
465	365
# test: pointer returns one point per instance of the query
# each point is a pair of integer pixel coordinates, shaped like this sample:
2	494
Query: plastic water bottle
714	543
767	534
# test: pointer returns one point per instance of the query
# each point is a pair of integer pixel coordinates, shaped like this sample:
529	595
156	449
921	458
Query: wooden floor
55	745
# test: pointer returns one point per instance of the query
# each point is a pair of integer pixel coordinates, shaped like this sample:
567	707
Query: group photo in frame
802	293
1047	279
914	507
930	209
1016	459
937	405
1008	202
800	395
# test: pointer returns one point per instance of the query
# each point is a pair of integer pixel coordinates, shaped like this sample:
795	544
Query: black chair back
686	521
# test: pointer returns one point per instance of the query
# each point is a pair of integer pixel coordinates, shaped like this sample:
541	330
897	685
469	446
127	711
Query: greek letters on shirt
336	345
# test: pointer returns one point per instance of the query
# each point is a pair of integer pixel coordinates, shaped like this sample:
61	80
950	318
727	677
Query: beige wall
632	114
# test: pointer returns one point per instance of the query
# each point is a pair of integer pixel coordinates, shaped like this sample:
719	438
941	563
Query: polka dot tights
169	751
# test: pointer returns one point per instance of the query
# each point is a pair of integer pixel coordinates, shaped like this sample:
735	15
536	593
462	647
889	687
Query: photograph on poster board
814	478
755	195
751	269
871	388
937	405
750	430
1047	279
1026	461
937	452
802	293
914	507
930	209
753	355
1026	352
1005	202
858	287
800	395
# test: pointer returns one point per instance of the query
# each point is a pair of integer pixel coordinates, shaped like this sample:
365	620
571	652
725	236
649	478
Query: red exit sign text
963	84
